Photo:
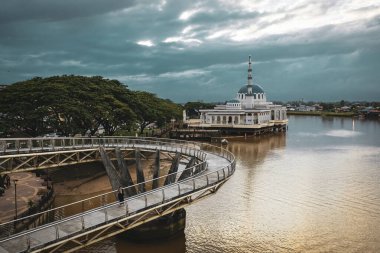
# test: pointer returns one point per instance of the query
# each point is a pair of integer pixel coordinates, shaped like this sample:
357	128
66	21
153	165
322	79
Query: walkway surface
28	188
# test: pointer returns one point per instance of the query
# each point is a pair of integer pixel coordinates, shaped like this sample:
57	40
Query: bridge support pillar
125	176
139	172
166	227
172	174
156	171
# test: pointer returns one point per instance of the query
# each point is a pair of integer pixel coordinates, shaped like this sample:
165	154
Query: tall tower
250	82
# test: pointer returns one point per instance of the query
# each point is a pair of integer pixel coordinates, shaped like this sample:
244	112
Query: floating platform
215	133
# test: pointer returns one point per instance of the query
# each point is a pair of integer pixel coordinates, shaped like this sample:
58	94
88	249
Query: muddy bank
91	178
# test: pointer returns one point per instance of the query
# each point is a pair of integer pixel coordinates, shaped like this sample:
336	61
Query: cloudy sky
198	50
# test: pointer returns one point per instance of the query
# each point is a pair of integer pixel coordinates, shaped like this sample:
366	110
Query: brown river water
314	189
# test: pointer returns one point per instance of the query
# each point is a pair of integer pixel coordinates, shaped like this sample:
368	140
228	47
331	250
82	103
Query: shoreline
322	113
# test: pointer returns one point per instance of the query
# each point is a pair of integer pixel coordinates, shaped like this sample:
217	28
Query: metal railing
16	156
47	144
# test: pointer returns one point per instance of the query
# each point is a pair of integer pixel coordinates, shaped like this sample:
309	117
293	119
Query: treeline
330	105
72	105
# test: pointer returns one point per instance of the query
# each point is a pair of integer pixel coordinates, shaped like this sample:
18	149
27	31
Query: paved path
28	187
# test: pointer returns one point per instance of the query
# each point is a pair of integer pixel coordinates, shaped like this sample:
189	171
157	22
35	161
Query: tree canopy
192	108
77	105
155	109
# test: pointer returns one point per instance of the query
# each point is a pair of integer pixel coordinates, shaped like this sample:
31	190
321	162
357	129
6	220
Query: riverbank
322	113
30	188
91	179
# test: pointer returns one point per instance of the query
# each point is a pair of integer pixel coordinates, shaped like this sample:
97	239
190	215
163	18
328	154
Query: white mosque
249	111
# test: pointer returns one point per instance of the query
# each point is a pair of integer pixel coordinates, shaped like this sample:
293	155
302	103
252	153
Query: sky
198	50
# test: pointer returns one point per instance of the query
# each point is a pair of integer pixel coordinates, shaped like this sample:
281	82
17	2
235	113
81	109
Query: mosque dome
255	89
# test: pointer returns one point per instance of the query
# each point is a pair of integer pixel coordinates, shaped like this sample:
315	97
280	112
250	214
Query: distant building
250	110
306	108
2	86
345	109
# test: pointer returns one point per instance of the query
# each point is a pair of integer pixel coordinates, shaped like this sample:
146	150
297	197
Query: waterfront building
306	108
248	112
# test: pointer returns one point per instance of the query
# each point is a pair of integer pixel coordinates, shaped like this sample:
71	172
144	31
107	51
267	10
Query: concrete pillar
188	172
125	176
156	170
164	228
112	173
139	172
173	169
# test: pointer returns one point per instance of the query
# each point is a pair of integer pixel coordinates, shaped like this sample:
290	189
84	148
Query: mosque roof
255	89
233	101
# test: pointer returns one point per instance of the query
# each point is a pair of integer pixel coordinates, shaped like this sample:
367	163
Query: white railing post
28	242
105	215
82	221
56	232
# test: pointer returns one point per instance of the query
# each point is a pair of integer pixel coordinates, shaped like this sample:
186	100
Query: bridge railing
19	154
47	144
8	228
132	205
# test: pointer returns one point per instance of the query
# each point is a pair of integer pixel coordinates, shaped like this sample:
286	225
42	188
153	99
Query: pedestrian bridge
91	220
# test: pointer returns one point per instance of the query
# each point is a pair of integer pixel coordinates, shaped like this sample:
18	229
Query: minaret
250	83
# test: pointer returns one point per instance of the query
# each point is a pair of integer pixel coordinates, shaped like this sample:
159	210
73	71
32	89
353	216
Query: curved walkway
103	222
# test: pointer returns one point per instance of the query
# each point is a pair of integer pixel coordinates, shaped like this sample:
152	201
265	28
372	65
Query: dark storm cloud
186	50
20	10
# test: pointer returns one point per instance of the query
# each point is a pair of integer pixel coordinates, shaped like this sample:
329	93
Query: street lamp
15	182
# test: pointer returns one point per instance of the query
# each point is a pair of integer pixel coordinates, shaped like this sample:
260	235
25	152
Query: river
314	189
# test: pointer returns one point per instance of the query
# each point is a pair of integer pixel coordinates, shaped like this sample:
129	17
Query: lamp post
15	182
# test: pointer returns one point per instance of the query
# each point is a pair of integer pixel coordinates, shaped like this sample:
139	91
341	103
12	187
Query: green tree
328	106
151	109
192	108
65	104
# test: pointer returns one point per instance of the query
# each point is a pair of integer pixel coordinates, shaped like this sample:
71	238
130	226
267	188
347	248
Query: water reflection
253	150
310	192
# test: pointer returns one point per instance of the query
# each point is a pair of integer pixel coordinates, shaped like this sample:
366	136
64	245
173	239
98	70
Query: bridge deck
218	170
